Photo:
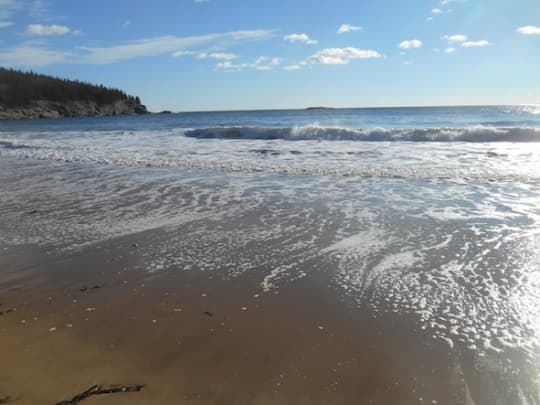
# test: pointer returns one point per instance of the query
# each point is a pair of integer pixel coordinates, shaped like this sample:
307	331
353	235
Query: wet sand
98	317
262	289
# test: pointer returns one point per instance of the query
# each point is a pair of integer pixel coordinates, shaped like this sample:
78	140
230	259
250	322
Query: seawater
427	213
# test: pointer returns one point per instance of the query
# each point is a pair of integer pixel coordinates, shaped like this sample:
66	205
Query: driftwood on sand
100	390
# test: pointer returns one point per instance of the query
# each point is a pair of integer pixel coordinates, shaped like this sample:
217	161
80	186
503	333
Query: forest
19	89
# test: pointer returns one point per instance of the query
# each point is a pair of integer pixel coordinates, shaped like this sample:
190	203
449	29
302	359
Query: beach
194	339
98	317
323	271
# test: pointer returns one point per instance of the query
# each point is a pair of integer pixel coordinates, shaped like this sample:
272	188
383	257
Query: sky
200	55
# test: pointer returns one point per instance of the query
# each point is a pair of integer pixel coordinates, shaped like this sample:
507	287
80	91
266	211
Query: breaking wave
321	133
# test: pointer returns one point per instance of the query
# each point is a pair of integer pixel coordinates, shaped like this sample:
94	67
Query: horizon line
318	108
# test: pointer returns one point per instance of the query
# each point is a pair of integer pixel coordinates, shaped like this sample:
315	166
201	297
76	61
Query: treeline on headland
34	95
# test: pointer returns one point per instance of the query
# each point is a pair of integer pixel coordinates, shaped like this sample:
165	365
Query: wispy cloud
204	55
261	63
217	55
445	2
28	55
8	8
126	23
410	44
455	38
38	8
38	55
5	24
292	67
437	11
341	56
304	38
529	30
167	44
46	30
344	28
475	44
200	1
450	49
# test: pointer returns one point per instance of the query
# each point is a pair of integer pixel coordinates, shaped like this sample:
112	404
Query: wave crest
320	133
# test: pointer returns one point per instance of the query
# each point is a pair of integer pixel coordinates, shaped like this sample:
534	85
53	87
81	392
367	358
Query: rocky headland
27	95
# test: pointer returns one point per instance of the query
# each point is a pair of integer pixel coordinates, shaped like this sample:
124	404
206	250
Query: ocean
429	215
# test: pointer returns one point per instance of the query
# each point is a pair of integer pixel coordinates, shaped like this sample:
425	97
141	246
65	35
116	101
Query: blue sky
187	55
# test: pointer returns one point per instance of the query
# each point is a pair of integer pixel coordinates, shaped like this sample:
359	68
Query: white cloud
529	30
46	30
437	11
126	23
412	44
455	38
300	38
217	55
450	50
30	55
204	55
473	44
266	60
429	18
344	28
231	67
184	53
292	67
5	24
341	56
261	63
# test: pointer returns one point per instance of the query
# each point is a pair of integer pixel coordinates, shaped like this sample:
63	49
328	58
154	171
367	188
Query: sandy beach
96	317
101	314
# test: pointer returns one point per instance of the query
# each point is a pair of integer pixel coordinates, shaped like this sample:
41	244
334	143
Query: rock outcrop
86	108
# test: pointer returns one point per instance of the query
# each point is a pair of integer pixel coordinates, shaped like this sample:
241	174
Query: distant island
25	95
319	108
